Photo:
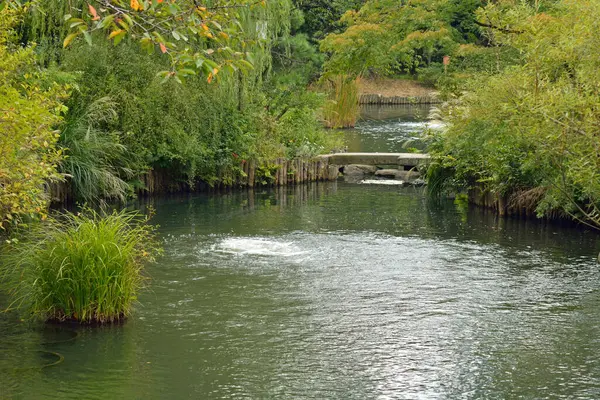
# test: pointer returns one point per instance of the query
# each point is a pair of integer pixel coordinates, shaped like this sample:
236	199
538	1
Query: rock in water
388	173
359	170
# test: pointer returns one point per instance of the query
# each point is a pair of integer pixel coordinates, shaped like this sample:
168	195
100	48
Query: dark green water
336	291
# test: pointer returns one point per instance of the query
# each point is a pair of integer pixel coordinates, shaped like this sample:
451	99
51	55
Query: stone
405	159
408	175
359	170
388	173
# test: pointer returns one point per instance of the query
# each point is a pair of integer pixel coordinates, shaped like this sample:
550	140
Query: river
335	291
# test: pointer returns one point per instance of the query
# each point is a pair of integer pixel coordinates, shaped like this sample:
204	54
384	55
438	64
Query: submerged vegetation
85	268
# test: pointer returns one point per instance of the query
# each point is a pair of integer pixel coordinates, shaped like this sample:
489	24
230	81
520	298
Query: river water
389	128
335	291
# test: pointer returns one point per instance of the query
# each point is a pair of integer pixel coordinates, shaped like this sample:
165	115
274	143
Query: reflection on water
390	128
338	291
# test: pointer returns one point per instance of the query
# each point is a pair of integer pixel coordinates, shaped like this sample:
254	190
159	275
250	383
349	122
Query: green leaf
186	71
88	37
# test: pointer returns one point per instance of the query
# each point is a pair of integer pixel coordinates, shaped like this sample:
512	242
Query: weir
402	167
399	159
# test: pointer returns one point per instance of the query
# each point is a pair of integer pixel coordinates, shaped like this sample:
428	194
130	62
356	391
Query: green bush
83	267
530	132
28	113
96	163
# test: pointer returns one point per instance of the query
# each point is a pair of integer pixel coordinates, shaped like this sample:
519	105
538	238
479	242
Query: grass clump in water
85	267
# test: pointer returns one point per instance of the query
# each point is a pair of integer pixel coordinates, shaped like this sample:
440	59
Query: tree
197	38
384	37
28	114
531	132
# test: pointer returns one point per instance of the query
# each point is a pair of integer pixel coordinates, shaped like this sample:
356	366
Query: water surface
390	128
336	291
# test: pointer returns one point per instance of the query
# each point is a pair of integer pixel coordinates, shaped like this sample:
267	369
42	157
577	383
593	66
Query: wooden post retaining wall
281	172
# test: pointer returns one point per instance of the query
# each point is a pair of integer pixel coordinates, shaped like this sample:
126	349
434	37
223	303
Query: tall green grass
342	109
85	267
96	163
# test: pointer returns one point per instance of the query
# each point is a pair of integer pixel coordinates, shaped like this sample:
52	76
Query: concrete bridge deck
400	159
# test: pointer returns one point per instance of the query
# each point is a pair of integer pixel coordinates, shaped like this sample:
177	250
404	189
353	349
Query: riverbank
280	172
394	87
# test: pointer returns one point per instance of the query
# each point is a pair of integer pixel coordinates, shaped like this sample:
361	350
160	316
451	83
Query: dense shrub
28	113
533	127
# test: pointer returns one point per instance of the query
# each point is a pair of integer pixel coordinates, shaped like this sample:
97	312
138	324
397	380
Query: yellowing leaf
163	48
135	5
69	39
209	78
115	33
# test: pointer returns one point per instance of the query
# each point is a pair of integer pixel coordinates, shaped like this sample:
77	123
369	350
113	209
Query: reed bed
342	109
85	267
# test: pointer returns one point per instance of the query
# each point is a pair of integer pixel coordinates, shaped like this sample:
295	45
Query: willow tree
220	51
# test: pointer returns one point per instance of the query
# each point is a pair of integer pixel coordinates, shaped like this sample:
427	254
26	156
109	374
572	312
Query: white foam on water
381	182
258	246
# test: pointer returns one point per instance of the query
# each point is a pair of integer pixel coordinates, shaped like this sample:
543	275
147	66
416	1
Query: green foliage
128	116
321	17
198	39
385	37
96	164
85	267
196	130
28	113
534	126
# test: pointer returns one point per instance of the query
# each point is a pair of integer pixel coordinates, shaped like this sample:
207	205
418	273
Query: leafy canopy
387	36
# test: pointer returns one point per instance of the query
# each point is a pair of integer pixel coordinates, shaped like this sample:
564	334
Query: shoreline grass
85	267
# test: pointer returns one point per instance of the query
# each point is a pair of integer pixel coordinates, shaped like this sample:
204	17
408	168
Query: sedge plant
85	267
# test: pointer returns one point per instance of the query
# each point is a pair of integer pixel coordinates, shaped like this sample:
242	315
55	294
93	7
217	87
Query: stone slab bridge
401	166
